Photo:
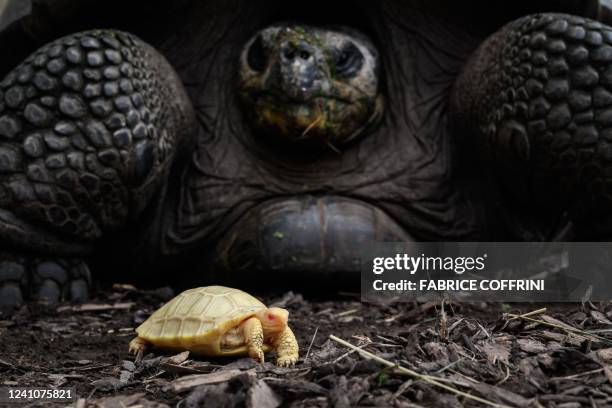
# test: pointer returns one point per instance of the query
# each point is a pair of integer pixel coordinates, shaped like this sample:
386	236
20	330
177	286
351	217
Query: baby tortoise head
304	83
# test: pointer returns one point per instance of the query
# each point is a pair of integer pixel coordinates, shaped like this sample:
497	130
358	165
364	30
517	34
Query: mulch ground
441	356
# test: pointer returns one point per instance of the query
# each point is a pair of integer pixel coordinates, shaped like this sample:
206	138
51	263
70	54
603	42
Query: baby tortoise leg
536	98
138	345
287	348
90	125
254	336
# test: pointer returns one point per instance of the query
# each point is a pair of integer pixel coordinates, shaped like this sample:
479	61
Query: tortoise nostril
289	53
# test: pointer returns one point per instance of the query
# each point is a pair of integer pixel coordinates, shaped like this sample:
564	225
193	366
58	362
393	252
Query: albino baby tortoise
219	321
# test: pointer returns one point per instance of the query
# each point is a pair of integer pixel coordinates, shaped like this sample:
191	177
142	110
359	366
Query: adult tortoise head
306	83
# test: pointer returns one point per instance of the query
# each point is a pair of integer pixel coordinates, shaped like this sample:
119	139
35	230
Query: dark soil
559	360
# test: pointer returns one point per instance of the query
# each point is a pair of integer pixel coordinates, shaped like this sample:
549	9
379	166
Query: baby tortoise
219	321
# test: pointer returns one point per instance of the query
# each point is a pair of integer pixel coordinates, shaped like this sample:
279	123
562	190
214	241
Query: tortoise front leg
287	349
90	125
254	336
536	98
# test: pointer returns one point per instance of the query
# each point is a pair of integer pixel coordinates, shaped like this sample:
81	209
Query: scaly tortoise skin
217	321
265	144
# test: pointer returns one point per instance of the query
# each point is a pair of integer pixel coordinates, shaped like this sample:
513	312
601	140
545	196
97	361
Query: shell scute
190	327
200	306
172	325
220	308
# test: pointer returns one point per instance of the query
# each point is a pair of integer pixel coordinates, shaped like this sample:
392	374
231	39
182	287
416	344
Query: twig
443	320
452	326
528	314
386	339
348	353
93	307
484	330
503	380
470	379
427	378
313	124
446	367
311	342
402	388
332	147
566	328
582	374
347	312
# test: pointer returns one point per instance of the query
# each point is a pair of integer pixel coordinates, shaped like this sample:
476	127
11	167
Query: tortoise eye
256	57
349	61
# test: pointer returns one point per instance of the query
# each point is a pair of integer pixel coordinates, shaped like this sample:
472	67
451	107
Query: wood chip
557	322
95	307
179	369
501	395
5	364
548	335
190	381
608	372
603	355
178	358
531	346
600	317
124	287
260	395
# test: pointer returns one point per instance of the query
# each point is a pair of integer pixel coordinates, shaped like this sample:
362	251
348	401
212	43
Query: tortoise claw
286	362
137	346
257	355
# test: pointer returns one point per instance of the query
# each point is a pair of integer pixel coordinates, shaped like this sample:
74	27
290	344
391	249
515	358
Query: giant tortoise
205	141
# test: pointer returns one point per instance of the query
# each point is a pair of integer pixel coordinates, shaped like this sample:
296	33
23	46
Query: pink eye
271	317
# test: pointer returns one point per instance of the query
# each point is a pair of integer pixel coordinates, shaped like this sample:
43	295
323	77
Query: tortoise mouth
305	236
309	119
284	100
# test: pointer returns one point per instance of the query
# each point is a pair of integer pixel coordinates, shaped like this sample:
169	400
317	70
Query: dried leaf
495	350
